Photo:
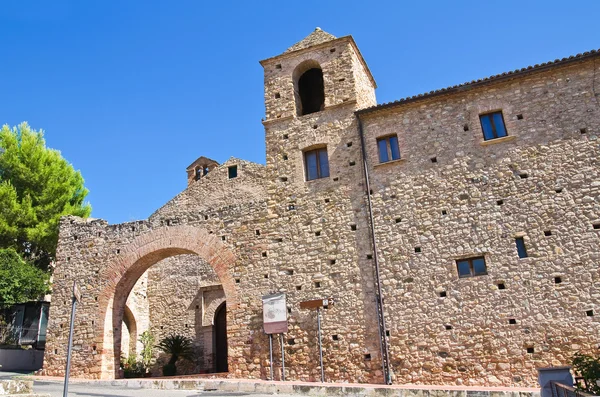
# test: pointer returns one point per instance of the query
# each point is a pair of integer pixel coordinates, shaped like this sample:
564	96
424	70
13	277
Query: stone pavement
261	387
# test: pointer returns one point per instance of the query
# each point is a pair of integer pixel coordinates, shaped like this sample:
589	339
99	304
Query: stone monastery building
457	231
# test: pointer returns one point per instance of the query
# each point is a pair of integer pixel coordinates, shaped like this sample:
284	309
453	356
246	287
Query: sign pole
76	297
275	322
271	354
318	304
282	359
320	344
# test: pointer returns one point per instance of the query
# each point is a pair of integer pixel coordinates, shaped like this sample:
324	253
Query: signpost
275	322
75	298
318	304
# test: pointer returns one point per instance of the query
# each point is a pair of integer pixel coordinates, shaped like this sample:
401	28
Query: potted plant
177	346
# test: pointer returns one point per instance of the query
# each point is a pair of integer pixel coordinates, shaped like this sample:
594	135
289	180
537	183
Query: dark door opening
221	338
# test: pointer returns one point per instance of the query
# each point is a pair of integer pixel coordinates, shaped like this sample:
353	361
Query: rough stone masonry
481	212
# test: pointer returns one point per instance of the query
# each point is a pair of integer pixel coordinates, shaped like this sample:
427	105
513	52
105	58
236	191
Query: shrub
132	368
147	341
589	369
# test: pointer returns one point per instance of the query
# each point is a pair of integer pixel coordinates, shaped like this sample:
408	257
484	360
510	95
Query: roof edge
505	76
322	45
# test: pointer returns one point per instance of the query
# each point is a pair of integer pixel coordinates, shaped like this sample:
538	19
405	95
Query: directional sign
317	303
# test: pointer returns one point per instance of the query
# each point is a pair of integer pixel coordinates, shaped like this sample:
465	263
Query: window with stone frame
316	163
493	125
388	148
471	267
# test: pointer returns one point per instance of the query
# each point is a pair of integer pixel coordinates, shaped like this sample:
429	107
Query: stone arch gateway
115	280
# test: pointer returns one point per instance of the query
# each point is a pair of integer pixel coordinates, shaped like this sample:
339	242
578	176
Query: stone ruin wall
90	249
450	209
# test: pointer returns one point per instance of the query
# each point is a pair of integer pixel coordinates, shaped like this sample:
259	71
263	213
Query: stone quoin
471	213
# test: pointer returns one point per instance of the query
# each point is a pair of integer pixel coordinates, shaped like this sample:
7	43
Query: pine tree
20	281
37	187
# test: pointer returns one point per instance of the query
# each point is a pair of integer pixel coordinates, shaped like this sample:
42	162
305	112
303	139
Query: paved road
55	389
75	390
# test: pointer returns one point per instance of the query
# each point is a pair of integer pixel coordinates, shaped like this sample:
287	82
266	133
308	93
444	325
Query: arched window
309	88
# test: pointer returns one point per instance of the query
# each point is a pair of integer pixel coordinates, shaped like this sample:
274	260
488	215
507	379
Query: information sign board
275	313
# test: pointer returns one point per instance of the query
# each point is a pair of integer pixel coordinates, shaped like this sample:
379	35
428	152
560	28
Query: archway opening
129	334
220	338
177	296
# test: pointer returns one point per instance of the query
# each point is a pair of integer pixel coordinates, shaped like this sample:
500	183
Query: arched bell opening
309	88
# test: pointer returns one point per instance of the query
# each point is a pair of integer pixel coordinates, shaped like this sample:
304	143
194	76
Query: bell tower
315	178
314	74
311	93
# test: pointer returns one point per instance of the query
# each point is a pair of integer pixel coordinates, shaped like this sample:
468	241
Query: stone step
15	387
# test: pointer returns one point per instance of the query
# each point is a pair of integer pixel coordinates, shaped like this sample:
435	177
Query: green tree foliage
37	187
20	281
589	368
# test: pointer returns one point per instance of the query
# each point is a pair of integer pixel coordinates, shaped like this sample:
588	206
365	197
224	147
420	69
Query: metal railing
560	390
22	336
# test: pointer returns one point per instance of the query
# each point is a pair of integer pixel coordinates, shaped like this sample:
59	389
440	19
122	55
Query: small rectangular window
471	267
492	125
316	163
521	247
232	171
388	148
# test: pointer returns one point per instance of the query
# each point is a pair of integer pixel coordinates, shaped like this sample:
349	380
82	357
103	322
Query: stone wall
176	291
450	196
138	315
474	201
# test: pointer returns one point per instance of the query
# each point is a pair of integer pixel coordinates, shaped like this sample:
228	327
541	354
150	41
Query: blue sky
131	92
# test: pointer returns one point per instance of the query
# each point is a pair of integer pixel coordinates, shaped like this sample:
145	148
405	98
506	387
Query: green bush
132	368
588	367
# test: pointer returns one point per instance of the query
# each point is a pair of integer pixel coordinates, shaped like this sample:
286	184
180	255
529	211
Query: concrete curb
309	389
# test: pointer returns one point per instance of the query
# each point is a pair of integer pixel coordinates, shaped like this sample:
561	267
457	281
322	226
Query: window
316	164
232	171
471	267
388	148
492	125
521	247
